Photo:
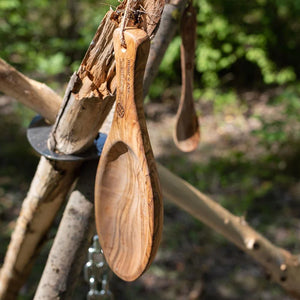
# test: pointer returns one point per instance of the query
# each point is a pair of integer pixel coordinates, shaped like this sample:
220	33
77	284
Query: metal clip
96	273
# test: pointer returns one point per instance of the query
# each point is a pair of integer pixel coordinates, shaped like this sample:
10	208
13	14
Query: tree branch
74	236
166	31
92	96
49	188
29	92
282	265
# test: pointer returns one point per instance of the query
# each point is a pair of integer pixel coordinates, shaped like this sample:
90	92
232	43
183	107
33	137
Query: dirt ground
193	262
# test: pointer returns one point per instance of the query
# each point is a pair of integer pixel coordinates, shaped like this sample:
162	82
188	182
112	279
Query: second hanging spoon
187	134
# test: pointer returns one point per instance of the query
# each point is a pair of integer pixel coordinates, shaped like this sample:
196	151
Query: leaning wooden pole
168	25
74	236
47	192
29	91
283	267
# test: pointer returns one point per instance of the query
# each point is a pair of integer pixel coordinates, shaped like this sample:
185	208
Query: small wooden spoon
187	134
128	203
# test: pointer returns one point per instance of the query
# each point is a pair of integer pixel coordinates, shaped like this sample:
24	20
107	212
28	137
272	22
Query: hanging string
123	24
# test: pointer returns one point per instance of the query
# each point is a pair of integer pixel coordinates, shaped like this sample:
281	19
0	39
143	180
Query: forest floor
251	176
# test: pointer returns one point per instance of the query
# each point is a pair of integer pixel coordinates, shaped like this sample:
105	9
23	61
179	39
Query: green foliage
245	41
284	128
48	37
173	55
242	39
53	64
246	31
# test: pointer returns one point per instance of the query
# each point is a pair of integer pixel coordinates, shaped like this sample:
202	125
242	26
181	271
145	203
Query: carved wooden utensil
127	191
187	134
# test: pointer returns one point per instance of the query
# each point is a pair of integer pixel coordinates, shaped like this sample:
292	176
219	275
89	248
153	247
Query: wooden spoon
187	134
128	201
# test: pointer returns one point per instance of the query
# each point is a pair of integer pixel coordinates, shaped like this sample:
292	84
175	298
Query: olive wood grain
128	203
187	134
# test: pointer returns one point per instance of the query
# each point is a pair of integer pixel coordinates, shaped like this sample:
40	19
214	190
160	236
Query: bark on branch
166	31
90	99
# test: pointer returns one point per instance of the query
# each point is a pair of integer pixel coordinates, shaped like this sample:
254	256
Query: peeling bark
93	94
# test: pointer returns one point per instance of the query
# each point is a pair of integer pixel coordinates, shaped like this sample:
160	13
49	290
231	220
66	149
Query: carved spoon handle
187	134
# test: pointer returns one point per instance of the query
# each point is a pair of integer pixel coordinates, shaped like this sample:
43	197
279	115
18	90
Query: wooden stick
48	189
89	97
29	92
69	251
283	267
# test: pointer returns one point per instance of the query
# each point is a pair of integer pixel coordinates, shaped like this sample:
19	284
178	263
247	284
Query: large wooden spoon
127	191
187	134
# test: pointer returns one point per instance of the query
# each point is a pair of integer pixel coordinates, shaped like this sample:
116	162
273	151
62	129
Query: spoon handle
188	37
186	135
130	65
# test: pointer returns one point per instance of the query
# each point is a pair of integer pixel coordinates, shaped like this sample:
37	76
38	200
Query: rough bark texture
48	189
283	267
74	236
29	92
91	97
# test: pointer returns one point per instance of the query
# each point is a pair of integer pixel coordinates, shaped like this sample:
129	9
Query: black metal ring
38	133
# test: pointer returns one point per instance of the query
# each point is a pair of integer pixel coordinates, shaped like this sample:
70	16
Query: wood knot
120	110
